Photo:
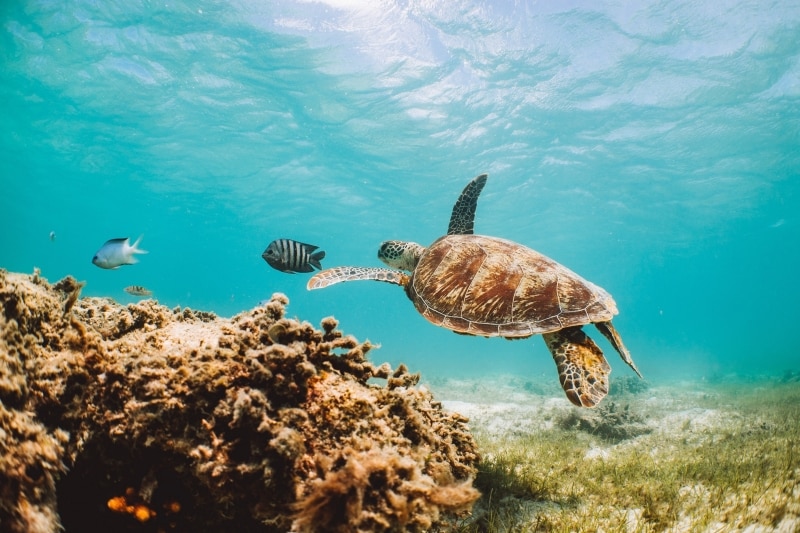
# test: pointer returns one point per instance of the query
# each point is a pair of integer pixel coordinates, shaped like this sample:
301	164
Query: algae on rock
139	416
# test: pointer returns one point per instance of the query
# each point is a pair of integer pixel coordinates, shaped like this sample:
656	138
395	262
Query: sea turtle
479	285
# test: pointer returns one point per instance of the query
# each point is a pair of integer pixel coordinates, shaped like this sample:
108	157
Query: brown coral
255	423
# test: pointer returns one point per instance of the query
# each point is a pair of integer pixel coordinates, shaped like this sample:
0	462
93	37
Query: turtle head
400	254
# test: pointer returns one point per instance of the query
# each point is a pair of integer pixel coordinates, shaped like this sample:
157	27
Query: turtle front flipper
582	369
616	341
462	221
332	276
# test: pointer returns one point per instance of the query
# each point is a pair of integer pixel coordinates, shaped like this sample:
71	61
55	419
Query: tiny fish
117	252
291	256
52	235
138	290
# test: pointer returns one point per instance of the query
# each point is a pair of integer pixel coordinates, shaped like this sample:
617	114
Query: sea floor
677	457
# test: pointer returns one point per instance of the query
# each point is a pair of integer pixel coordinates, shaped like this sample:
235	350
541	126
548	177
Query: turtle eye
385	250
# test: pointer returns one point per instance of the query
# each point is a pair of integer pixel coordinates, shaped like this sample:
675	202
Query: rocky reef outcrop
144	418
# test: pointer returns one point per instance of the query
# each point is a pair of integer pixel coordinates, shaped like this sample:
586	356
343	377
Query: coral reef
142	418
609	422
630	385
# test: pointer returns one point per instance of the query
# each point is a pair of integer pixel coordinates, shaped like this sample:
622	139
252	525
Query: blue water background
653	147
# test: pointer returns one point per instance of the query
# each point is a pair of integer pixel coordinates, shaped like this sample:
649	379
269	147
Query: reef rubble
144	418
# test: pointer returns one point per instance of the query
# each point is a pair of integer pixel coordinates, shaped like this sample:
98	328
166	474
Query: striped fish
291	256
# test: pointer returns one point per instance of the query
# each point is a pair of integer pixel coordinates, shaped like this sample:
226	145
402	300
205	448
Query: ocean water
652	147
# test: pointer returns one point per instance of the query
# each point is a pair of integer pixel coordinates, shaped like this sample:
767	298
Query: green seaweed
742	470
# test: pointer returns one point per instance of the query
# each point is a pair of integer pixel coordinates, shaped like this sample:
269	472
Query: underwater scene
262	262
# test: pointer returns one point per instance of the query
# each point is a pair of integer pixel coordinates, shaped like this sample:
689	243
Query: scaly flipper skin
462	220
332	276
582	369
613	337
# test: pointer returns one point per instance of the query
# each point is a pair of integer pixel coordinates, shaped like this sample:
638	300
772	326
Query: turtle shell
488	286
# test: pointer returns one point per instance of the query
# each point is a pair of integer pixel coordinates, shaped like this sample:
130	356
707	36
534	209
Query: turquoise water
653	149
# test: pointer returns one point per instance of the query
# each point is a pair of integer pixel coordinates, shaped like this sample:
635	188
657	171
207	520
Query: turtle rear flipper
613	337
332	276
582	369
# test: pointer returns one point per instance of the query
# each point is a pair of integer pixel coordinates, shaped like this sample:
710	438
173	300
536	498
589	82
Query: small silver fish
138	290
117	252
291	256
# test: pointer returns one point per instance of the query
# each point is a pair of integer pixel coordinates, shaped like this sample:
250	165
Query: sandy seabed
144	418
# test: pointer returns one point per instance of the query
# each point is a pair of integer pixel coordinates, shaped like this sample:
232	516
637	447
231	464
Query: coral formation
143	418
609	422
630	385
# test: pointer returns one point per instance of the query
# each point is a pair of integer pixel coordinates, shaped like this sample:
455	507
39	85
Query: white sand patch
596	452
500	404
692	420
501	418
633	520
184	336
